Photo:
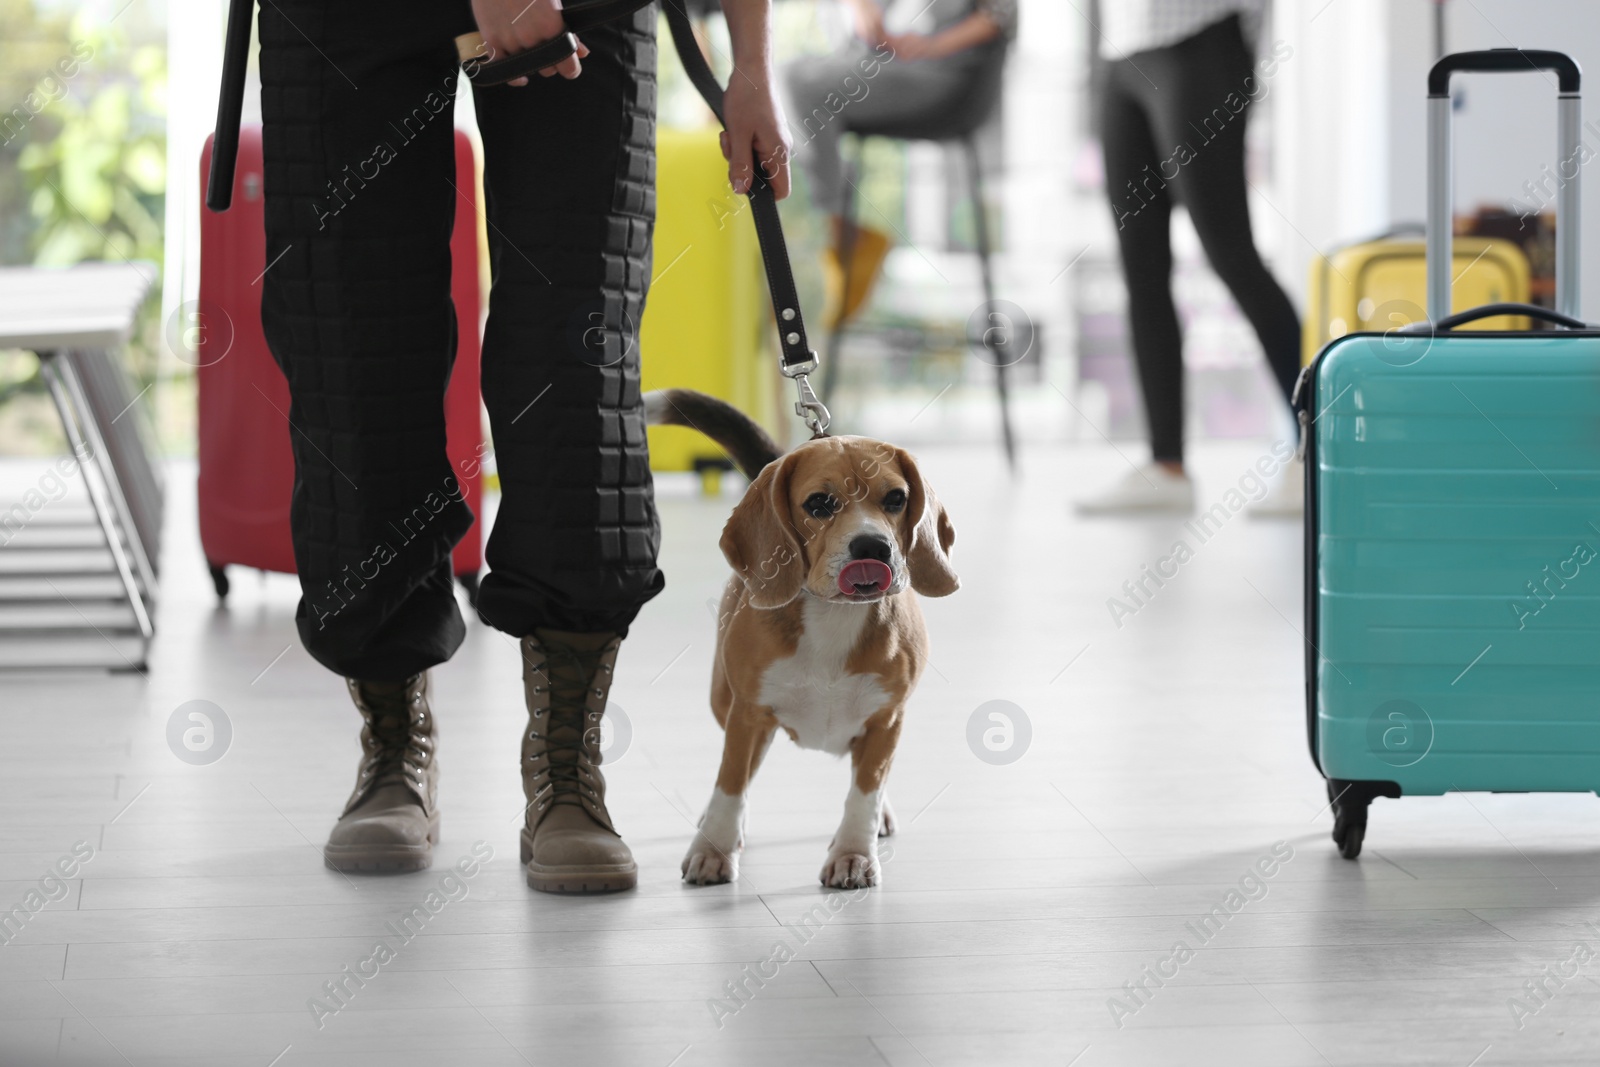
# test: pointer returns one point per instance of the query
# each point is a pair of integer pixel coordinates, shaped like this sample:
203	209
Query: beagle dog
819	634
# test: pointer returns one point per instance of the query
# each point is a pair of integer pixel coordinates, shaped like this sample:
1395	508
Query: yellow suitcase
1382	285
706	322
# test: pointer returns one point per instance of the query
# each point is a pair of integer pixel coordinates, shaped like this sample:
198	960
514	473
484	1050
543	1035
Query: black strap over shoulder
230	104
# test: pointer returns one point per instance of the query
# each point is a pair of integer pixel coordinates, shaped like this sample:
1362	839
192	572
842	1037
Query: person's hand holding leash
511	26
756	132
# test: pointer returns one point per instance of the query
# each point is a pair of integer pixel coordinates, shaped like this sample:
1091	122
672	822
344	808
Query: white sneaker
1286	499
1151	487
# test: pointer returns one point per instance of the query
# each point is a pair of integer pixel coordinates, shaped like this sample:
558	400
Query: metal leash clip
809	407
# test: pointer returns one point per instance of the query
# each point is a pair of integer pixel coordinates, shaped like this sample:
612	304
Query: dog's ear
759	541
929	532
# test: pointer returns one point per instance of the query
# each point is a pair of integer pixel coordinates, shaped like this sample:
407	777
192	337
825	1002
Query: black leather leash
798	361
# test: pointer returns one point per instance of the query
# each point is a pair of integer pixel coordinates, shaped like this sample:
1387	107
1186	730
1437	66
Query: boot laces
572	733
397	724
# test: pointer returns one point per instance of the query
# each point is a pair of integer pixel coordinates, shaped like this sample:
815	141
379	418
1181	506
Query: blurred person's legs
1213	74
1174	123
1143	234
360	185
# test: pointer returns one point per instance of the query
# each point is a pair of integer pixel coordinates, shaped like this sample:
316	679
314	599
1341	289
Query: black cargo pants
360	198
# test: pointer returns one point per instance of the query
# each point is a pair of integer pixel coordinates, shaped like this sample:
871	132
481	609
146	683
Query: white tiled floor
1167	756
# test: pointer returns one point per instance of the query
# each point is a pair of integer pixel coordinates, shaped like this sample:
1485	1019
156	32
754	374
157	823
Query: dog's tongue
865	576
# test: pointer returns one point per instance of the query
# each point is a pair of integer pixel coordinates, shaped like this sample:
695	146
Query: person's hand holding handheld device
510	26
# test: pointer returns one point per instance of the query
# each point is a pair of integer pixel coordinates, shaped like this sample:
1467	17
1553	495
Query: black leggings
356	100
1173	123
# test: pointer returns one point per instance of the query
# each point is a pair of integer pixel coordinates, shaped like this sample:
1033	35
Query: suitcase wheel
1349	828
1350	801
219	579
469	582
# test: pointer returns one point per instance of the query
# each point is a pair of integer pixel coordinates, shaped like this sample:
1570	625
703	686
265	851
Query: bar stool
959	124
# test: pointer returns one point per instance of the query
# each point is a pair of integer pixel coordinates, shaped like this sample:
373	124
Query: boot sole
383	858
598	878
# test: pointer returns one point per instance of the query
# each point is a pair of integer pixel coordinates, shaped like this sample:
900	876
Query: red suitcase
246	467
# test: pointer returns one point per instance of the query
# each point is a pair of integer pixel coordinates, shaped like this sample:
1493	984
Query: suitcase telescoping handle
1440	162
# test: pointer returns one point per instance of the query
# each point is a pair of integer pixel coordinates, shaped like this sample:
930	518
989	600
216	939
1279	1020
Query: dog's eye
820	505
895	500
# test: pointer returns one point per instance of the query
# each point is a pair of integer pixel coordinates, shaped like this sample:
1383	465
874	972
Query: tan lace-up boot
392	818
568	842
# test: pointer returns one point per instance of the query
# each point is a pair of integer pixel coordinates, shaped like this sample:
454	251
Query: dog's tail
746	443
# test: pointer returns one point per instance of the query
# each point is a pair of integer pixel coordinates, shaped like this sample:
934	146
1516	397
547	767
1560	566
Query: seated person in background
911	64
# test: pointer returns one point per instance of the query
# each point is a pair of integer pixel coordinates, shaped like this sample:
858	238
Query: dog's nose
870	546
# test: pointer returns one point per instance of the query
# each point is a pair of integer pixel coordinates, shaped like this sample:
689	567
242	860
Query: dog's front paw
850	870
706	864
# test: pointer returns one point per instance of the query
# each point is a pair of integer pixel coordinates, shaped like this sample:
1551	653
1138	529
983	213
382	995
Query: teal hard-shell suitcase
1453	532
